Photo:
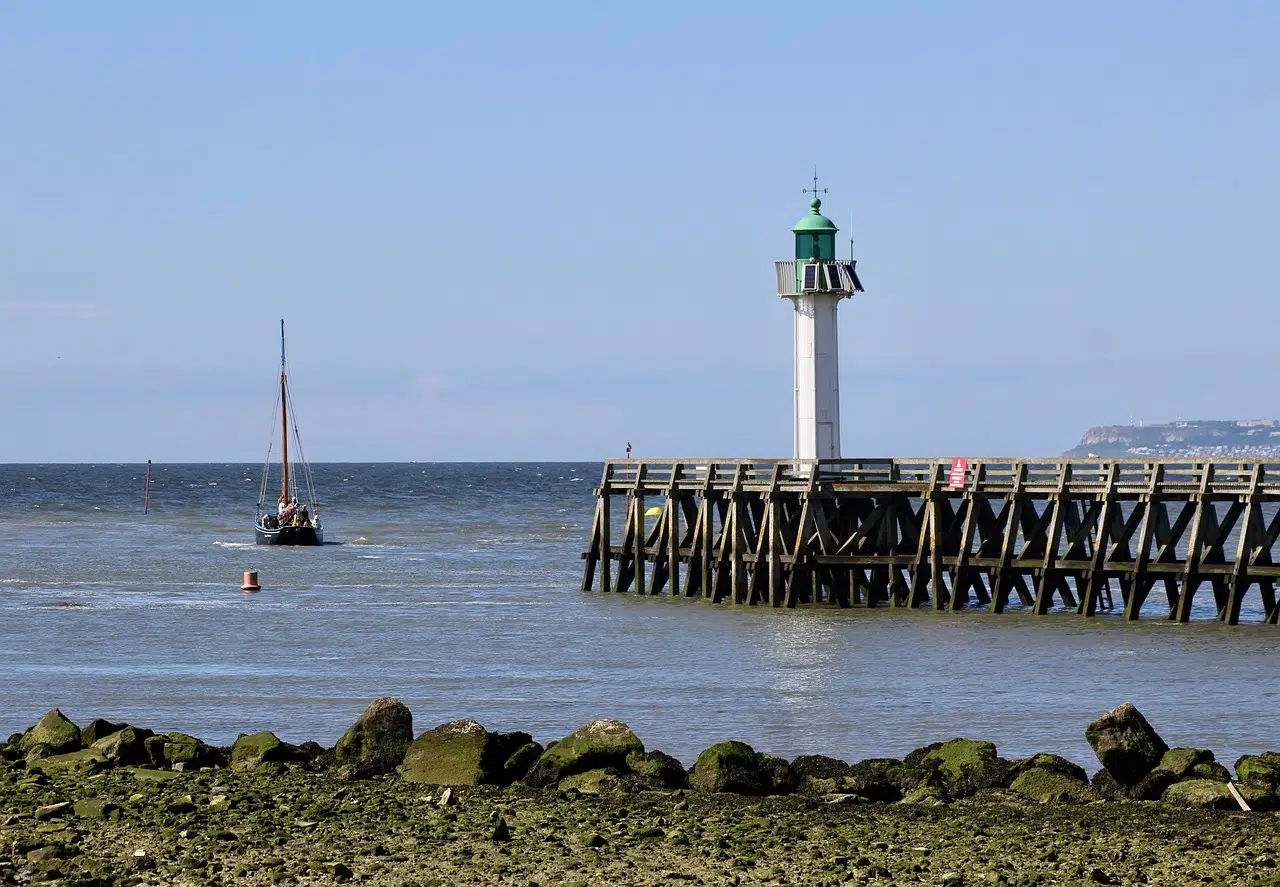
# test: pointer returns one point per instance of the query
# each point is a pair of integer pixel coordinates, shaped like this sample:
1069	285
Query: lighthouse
816	283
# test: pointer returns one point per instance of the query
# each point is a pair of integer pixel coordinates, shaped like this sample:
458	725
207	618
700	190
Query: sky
539	231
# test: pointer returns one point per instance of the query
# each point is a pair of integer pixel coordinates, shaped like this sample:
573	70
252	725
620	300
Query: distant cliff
1247	439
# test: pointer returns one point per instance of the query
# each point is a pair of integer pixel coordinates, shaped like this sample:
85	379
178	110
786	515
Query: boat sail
292	521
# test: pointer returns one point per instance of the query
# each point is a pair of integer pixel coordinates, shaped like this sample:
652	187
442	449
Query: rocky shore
111	803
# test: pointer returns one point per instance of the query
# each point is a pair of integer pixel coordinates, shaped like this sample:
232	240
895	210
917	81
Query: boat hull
289	536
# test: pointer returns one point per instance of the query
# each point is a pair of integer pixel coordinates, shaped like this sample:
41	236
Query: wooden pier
895	532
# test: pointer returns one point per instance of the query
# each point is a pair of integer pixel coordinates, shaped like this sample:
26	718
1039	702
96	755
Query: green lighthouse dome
815	235
815	222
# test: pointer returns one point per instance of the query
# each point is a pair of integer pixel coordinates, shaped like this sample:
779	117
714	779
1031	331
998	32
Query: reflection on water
460	595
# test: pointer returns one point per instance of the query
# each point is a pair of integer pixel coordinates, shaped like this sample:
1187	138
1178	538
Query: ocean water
455	587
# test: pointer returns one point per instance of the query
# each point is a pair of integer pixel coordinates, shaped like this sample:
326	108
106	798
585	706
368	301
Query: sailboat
293	521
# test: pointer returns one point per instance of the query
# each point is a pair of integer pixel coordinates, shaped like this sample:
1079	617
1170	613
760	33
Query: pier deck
892	532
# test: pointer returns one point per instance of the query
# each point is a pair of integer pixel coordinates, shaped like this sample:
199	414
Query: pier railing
908	532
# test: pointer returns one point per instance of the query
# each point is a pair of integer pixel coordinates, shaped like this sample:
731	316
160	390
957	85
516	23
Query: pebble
50	811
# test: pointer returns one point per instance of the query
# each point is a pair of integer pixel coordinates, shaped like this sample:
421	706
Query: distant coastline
1208	438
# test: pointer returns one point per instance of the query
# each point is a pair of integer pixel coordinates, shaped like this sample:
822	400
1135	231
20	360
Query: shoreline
111	803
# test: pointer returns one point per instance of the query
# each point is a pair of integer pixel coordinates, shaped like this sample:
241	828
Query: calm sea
455	587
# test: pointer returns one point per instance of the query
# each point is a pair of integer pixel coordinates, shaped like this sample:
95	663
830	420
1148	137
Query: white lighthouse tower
816	283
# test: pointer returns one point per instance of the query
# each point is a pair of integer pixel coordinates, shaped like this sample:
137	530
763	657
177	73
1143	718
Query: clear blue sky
537	231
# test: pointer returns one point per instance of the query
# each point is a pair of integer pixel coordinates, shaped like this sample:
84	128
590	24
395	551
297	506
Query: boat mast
284	424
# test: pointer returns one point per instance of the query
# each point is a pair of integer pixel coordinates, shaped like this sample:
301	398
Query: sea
456	587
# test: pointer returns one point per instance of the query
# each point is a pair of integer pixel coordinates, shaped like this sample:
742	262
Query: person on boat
284	503
305	516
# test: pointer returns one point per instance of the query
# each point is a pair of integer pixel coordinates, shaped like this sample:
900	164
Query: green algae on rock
600	744
461	753
260	750
376	743
97	729
1051	787
959	766
1262	771
54	732
125	747
731	766
1200	793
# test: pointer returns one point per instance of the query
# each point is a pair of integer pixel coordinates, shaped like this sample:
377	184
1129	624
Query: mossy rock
1261	770
1201	793
592	782
926	796
961	766
376	743
1125	744
98	728
730	767
657	770
819	775
518	764
1051	762
600	744
1180	761
1049	787
260	750
85	759
1261	799
460	753
183	748
96	808
125	747
54	731
782	779
877	779
1106	787
1152	786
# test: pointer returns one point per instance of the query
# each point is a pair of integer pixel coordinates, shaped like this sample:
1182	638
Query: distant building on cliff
1198	438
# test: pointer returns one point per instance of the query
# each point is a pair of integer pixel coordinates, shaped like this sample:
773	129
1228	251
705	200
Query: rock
601	744
125	747
1180	761
259	750
926	796
877	779
181	748
782	779
1201	793
96	808
1106	787
219	804
98	729
52	811
1125	744
657	770
820	775
1261	799
730	767
376	743
339	871
1152	786
592	782
54	731
87	759
148	774
517	766
1261	770
960	766
1049	787
460	753
446	798
501	832
1052	763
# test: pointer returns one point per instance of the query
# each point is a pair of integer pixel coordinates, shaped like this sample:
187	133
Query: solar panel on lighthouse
810	278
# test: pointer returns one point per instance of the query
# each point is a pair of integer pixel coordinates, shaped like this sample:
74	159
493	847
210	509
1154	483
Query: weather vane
815	190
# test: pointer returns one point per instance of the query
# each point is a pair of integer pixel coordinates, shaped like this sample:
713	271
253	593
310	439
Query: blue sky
539	231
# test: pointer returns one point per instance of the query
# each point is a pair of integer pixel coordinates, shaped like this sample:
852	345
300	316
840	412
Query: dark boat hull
289	536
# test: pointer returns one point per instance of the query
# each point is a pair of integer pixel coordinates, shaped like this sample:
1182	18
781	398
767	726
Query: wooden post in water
146	495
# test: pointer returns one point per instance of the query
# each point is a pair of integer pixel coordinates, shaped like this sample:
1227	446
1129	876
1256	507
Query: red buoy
250	581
